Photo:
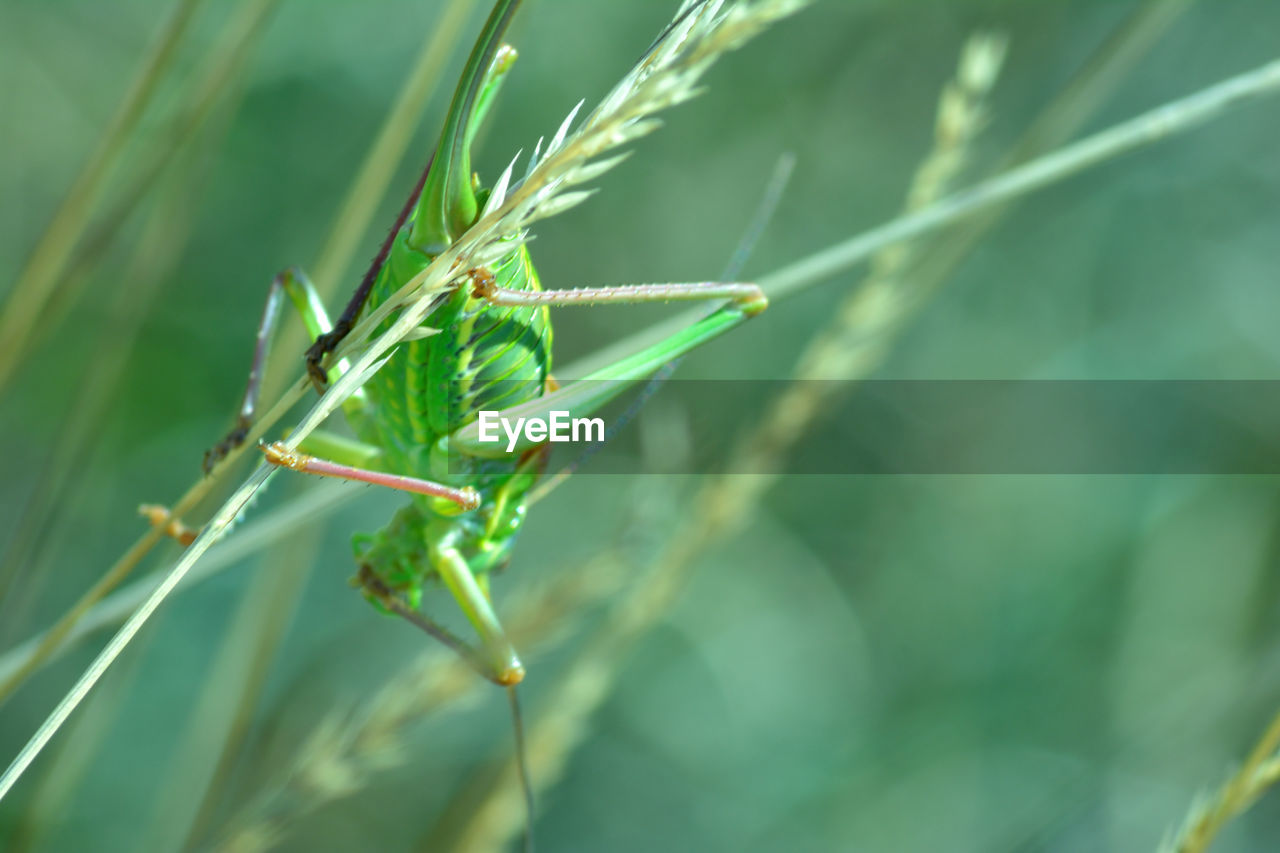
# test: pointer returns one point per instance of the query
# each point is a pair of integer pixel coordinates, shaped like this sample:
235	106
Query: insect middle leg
277	453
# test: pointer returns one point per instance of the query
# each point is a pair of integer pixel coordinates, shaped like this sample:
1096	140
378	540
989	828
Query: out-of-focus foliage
886	664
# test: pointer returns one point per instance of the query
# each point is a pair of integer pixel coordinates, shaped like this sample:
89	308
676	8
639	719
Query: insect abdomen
488	357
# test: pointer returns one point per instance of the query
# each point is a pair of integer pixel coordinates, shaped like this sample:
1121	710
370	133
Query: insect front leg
294	284
589	394
748	299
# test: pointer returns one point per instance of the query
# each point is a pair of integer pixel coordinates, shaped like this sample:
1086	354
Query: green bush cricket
461	341
486	346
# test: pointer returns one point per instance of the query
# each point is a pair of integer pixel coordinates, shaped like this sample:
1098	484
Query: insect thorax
482	358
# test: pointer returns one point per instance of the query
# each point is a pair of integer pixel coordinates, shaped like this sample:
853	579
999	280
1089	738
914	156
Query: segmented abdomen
483	357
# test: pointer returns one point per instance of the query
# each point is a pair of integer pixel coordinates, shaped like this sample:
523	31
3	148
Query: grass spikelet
1210	813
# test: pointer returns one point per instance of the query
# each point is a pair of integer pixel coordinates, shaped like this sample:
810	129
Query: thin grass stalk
150	266
223	65
54	793
229	692
51	254
56	635
317	503
227	61
1110	63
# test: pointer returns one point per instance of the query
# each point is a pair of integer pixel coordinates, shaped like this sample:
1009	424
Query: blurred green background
863	663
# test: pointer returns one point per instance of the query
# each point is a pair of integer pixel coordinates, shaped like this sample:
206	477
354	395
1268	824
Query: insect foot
510	676
229	442
755	303
323	345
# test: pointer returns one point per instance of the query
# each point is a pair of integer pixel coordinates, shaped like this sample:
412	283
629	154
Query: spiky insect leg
747	298
277	453
589	394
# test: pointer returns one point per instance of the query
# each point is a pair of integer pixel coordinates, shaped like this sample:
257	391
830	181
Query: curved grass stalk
49	258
